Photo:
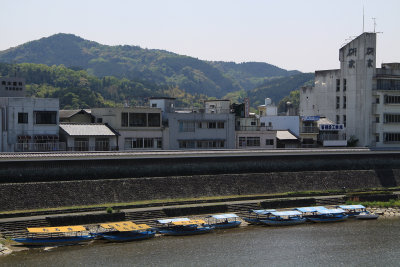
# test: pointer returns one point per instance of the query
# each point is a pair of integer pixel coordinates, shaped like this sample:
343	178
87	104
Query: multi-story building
29	124
139	127
212	127
359	96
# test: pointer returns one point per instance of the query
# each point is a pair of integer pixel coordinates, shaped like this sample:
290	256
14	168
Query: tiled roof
87	129
67	113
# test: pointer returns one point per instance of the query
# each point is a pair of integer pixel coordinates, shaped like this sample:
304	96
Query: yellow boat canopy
125	226
61	229
117	224
189	222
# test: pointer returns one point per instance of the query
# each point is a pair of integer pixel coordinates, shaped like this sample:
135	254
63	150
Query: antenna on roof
374	19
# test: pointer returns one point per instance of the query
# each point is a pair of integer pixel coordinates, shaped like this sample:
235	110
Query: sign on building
331	127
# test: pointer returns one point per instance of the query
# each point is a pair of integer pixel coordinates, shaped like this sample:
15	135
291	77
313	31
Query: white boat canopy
351	207
331	211
173	220
225	216
286	213
311	209
263	212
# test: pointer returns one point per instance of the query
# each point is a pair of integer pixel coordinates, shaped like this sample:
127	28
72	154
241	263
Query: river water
350	243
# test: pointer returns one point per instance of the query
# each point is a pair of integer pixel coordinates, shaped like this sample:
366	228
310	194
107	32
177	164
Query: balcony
39	147
253	128
309	129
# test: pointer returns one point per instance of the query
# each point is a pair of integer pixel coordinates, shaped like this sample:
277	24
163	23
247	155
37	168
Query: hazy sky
292	34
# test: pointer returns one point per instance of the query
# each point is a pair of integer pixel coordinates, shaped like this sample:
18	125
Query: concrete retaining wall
16	196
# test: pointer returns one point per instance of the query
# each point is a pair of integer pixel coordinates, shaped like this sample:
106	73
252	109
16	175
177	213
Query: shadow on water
386	177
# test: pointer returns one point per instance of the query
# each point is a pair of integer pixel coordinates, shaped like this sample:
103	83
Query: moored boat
126	231
328	215
284	218
255	216
55	236
358	212
224	221
183	226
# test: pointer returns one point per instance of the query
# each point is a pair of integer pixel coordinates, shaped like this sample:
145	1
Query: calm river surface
351	243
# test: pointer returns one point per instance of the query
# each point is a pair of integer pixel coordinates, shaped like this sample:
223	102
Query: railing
309	129
39	147
332	137
92	148
253	128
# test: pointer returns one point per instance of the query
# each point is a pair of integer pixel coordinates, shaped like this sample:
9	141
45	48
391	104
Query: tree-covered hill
78	89
160	67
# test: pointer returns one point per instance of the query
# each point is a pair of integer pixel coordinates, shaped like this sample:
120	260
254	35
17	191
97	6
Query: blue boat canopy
307	209
286	213
225	216
320	208
351	207
263	212
173	220
331	211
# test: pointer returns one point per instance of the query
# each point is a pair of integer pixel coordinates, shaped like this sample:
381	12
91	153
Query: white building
29	124
365	99
139	127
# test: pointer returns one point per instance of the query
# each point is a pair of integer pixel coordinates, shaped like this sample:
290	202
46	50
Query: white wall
291	123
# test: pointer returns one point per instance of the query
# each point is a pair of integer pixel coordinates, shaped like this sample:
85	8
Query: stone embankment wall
18	196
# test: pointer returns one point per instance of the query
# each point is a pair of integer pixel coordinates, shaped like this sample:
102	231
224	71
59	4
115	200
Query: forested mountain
78	89
160	67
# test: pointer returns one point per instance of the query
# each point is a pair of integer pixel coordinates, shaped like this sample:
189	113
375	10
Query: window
377	100
46	117
269	142
377	119
3	82
337	119
253	141
154	105
253	123
344	101
20	83
148	142
391	137
154	120
124	119
344	120
200	125
186	144
137	120
210	144
377	138
102	144
220	125
242	141
22	117
338	102
99	120
392	99
81	144
212	125
391	118
388	84
159	142
186	126
337	85
344	85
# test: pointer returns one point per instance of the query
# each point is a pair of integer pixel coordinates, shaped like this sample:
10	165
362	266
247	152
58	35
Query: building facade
359	96
140	128
29	124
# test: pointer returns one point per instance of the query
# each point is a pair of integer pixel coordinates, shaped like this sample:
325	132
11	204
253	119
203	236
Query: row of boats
129	231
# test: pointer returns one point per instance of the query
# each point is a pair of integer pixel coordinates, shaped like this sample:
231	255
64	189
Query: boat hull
252	220
55	241
328	219
367	217
128	236
284	222
226	225
177	232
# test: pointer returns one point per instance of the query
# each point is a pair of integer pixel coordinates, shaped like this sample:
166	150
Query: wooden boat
55	236
255	216
126	231
284	218
224	221
329	215
358	212
183	226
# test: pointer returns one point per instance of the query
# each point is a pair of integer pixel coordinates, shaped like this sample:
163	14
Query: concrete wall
68	193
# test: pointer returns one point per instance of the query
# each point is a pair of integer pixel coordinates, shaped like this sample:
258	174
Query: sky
300	35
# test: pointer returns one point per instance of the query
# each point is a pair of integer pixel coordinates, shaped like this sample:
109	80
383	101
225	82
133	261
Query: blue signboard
331	127
310	118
